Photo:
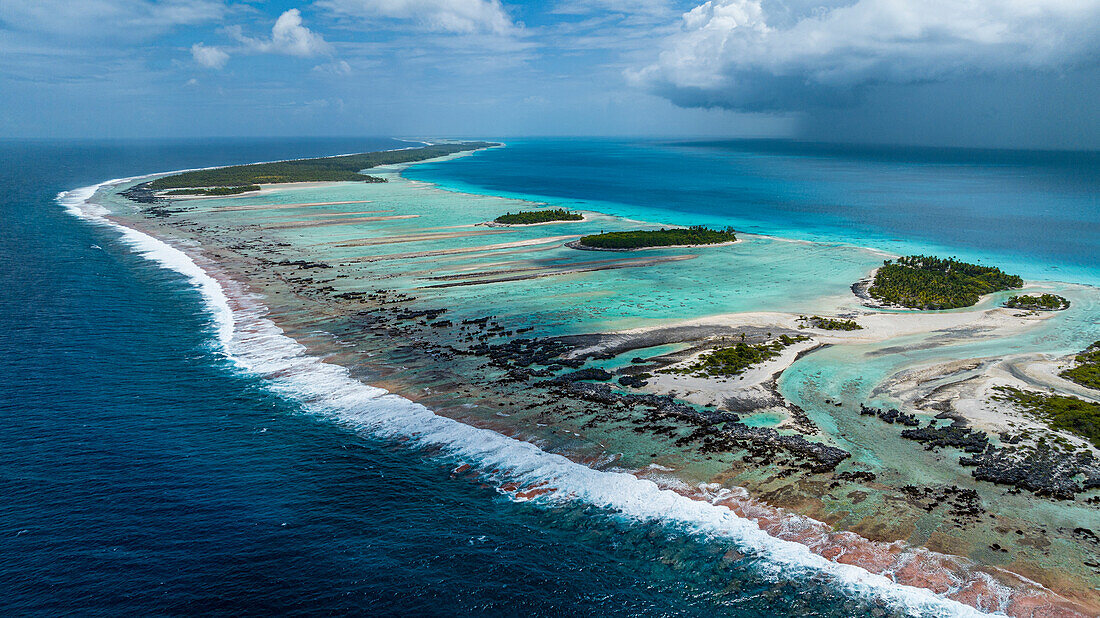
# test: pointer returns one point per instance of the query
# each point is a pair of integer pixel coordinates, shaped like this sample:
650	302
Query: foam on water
257	345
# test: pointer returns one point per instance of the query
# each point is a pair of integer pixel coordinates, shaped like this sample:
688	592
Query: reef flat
891	431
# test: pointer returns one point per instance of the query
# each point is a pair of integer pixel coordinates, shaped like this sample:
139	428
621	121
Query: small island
1038	302
733	360
343	168
533	217
212	191
927	282
1087	371
830	323
644	239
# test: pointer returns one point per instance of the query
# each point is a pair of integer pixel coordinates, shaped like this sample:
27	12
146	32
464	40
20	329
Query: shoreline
839	337
576	244
585	218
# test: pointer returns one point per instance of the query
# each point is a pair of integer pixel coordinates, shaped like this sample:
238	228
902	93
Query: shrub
1087	371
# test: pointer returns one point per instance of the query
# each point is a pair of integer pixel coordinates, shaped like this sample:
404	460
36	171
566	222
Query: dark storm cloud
776	55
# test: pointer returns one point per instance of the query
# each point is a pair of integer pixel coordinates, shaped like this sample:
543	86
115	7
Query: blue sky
970	72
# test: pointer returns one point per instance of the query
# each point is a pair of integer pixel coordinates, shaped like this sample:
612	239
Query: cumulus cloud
208	56
288	36
784	55
455	16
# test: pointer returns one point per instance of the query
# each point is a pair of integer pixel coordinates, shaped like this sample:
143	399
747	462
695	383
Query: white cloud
208	56
627	7
790	54
130	19
457	16
334	68
288	36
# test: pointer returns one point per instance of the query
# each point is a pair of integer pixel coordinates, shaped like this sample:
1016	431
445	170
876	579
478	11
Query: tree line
927	282
324	169
528	217
694	235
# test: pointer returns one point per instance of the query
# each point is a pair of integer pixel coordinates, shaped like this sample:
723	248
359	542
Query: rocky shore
1039	468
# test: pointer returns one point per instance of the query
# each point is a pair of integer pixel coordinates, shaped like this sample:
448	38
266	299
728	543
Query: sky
988	73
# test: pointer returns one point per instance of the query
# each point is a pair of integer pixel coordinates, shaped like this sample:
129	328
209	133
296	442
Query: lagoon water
145	472
1032	212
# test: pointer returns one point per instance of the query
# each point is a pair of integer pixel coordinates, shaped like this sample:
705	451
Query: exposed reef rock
660	405
526	352
633	381
954	435
415	314
588	373
1041	470
718	430
142	194
893	415
763	441
960	503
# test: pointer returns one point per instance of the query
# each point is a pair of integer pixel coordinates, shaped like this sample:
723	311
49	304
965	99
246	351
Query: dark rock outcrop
717	429
632	381
660	405
590	373
893	415
142	193
1041	470
953	435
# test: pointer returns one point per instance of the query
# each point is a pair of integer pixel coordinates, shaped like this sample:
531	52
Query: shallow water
1032	212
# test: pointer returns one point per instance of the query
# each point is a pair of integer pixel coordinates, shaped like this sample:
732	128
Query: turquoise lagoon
1033	212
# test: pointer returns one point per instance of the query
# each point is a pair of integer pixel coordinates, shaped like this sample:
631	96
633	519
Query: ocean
149	467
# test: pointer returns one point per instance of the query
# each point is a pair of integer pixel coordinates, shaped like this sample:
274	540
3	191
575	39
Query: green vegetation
1060	412
340	168
1042	302
830	323
214	190
528	217
694	235
925	282
735	359
1087	371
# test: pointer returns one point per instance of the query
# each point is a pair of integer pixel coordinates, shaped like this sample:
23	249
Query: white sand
750	388
755	387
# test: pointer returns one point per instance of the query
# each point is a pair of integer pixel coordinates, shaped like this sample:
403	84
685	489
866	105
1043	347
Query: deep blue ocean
142	473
